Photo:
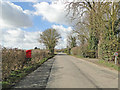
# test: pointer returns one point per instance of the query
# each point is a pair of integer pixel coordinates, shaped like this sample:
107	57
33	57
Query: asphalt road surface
65	71
70	72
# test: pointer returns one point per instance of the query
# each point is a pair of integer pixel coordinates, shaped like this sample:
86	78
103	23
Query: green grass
109	64
103	63
78	56
56	53
17	75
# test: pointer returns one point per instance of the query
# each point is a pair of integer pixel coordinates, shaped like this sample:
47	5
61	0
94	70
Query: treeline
96	29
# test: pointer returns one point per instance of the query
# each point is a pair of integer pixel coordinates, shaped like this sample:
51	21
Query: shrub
74	51
90	54
107	49
81	50
67	50
37	55
14	59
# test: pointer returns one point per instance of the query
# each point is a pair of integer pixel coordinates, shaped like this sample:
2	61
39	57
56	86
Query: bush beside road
17	75
15	66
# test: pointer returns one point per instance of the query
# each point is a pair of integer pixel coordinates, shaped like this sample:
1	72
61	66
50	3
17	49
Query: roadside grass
56	53
104	63
109	64
17	75
78	56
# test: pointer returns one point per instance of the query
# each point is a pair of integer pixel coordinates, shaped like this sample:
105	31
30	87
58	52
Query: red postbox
28	53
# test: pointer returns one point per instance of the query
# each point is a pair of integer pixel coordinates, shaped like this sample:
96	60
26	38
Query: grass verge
77	56
17	75
104	63
109	64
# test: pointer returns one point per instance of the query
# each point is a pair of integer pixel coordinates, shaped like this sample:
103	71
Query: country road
71	72
65	71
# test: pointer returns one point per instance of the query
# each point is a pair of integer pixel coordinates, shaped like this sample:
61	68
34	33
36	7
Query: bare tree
101	15
71	41
50	39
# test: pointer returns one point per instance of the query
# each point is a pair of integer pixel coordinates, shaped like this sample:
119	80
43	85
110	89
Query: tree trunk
51	51
99	47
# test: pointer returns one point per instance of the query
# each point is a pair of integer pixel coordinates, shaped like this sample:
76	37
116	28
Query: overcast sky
22	22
